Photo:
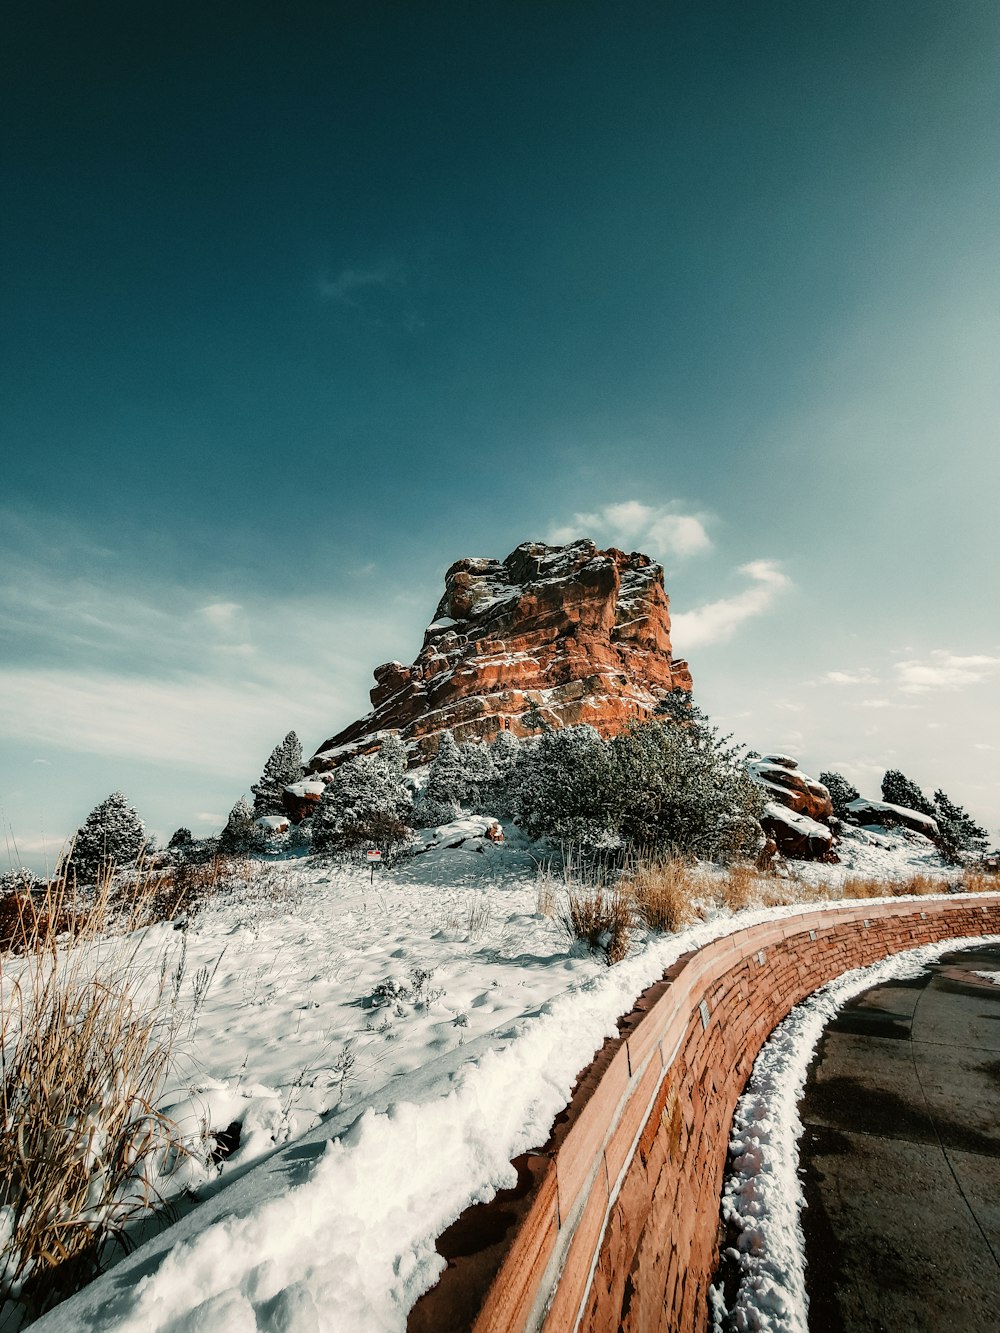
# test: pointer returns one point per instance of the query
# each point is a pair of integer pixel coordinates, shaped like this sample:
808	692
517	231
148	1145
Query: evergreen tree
282	769
686	788
958	831
365	803
441	799
897	789
239	835
562	786
111	835
181	838
842	793
394	753
504	749
478	772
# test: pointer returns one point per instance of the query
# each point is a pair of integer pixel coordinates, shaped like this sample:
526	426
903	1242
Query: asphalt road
901	1157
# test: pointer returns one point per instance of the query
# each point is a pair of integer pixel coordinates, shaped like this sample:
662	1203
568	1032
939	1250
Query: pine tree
504	749
111	835
897	789
365	803
958	831
282	769
181	838
239	835
394	753
842	793
441	799
478	772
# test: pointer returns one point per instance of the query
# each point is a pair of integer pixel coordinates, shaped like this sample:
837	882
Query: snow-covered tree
561	786
239	835
685	787
111	835
842	792
478	771
897	789
181	838
958	831
504	749
365	803
282	768
394	753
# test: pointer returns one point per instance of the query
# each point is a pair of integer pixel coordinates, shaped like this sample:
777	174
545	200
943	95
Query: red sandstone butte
581	634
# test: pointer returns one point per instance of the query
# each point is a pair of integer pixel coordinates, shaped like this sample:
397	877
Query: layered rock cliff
580	634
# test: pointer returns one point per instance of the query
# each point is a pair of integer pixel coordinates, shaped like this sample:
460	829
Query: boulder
883	814
572	633
796	835
300	799
780	777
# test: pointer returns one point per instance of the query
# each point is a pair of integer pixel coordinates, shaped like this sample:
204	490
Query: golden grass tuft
662	893
86	1033
600	918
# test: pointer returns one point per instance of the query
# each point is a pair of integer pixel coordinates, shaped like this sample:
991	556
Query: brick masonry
618	1225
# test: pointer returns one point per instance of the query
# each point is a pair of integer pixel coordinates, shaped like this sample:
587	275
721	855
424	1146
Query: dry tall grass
663	893
86	1032
601	918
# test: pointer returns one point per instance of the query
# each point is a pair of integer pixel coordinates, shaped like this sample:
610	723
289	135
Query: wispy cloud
718	621
943	670
349	283
663	529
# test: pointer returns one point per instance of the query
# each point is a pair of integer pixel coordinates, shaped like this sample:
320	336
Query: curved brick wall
614	1224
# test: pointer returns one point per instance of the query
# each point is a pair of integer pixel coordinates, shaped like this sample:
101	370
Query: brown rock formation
780	777
797	811
580	634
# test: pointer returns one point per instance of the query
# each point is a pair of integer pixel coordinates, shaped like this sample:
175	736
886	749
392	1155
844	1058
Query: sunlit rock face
578	634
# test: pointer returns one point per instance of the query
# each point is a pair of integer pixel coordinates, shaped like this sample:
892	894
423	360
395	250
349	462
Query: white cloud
718	621
632	524
945	670
876	703
861	676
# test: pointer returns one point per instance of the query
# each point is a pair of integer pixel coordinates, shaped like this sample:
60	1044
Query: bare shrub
601	919
662	892
86	1033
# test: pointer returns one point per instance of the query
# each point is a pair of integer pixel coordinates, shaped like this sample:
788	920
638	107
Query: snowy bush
111	835
181	838
366	803
684	788
562	786
282	769
841	793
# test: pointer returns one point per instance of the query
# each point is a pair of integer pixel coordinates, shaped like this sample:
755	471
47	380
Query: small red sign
373	854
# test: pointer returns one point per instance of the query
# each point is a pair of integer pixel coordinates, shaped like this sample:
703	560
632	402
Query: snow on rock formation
797	810
580	634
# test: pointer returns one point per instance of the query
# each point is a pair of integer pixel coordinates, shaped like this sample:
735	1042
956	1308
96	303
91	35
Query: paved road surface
901	1157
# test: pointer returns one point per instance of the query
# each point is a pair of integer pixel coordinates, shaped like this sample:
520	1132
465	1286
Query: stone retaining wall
614	1223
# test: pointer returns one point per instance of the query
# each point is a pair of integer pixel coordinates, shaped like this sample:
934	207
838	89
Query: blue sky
301	307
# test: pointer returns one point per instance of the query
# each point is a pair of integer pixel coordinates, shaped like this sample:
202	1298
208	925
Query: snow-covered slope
389	1047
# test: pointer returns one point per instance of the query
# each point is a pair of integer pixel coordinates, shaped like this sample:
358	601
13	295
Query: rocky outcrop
882	814
798	808
572	632
781	778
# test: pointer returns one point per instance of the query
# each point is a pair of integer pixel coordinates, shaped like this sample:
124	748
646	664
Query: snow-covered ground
410	1035
762	1200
